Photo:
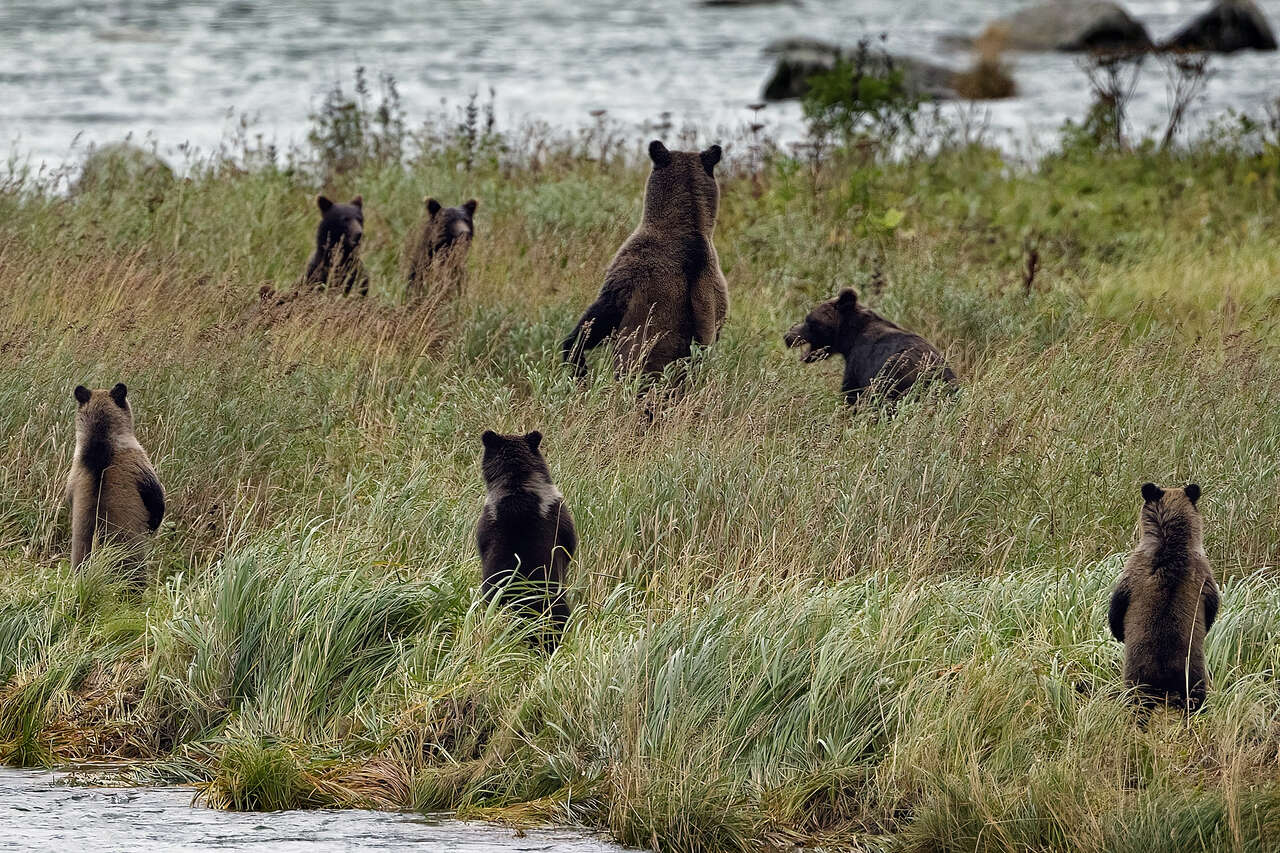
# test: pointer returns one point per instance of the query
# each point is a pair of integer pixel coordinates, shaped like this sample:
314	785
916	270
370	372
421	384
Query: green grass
794	622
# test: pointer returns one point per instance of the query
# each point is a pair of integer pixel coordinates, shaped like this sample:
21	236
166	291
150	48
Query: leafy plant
864	98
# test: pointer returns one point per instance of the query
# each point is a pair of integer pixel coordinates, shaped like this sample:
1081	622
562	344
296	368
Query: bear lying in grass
1166	601
879	355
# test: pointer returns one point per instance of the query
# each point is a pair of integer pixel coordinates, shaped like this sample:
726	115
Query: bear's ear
358	201
1193	492
659	154
533	439
81	394
1151	492
710	157
323	203
118	393
847	299
470	206
433	206
489	438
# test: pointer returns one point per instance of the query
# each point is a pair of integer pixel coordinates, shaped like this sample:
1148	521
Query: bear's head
1172	513
450	226
513	459
682	193
826	328
341	225
103	413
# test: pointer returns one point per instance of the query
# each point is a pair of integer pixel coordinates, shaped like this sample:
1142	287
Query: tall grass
795	623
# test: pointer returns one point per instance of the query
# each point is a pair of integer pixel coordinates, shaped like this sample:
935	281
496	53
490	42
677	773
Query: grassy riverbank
794	622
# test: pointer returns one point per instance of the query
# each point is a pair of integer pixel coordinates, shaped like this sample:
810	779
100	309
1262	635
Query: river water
181	71
39	814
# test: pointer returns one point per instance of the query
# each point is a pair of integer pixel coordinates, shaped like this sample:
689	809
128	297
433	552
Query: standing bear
1166	601
112	489
336	259
525	535
878	354
663	290
441	248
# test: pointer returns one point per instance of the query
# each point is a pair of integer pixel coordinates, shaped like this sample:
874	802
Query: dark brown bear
663	290
441	248
876	352
1166	601
525	535
336	259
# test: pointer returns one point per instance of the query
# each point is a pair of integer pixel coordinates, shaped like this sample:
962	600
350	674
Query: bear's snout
459	230
792	337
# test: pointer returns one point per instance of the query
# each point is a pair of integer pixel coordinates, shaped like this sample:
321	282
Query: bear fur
663	290
1166	601
525	534
112	489
441	248
876	351
336	259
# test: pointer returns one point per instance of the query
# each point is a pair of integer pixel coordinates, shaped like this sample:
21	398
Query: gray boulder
1069	25
121	165
800	58
1229	26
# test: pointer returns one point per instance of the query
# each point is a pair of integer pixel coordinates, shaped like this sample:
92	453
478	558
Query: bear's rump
653	333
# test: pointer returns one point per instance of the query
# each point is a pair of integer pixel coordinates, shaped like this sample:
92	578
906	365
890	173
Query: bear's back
1164	626
882	349
520	531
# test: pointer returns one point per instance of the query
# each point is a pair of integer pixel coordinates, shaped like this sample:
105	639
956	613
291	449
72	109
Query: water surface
39	813
95	70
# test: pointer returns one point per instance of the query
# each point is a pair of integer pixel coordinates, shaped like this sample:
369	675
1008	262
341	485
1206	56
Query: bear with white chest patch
525	535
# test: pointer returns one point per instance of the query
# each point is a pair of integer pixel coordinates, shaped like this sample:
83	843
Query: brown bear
878	355
441	248
336	259
525	535
112	489
663	290
1166	601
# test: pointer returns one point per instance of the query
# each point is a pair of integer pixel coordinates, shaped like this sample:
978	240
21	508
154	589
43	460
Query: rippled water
39	814
100	69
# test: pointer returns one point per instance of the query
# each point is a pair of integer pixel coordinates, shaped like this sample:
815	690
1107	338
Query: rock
1229	26
1069	25
119	166
800	58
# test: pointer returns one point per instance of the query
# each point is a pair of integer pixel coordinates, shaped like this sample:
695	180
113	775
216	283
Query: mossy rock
119	167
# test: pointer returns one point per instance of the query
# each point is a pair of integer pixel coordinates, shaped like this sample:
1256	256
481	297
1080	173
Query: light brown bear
663	290
1166	601
112	489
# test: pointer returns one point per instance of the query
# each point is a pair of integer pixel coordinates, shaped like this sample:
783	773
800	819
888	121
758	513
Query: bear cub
1166	601
441	248
525	535
663	290
336	259
877	353
112	489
